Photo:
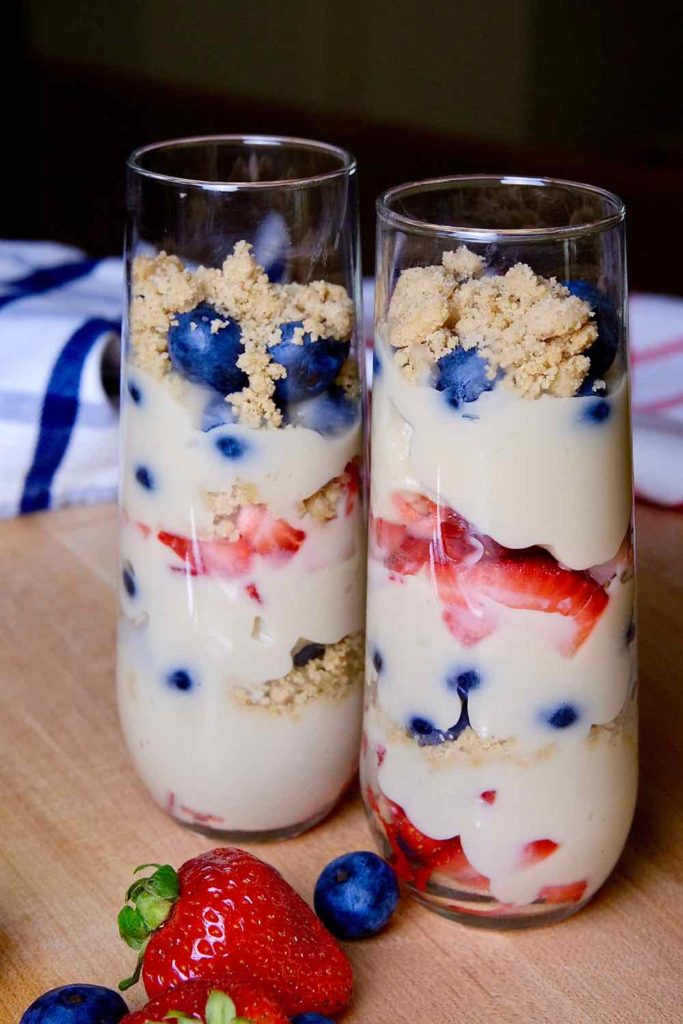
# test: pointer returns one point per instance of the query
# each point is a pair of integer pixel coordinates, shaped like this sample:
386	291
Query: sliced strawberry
187	550
538	850
536	582
572	893
209	557
387	536
453	862
351	481
452	541
274	538
410	558
251	1004
226	557
419	513
488	796
469	622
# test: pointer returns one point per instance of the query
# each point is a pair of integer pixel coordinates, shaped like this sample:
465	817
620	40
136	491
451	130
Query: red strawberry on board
227	914
212	1002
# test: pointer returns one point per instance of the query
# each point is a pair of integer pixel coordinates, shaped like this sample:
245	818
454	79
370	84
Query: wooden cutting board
74	820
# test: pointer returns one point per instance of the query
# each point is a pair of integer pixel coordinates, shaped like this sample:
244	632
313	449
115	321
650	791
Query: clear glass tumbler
242	545
499	762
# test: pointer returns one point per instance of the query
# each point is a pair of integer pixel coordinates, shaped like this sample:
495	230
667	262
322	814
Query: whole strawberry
211	1002
227	914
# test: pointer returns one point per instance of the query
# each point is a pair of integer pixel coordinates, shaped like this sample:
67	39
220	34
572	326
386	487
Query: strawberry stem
152	900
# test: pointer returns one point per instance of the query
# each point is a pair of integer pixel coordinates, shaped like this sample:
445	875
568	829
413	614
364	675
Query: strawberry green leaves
152	900
220	1009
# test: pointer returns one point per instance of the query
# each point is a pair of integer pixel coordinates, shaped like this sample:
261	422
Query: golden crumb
160	287
240	289
529	328
333	674
324	504
224	506
463	263
348	378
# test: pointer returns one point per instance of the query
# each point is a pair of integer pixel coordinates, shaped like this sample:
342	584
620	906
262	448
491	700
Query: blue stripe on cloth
59	413
46	279
24	407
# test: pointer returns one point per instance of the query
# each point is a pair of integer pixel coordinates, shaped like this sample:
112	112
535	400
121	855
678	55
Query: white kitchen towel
60	313
58	427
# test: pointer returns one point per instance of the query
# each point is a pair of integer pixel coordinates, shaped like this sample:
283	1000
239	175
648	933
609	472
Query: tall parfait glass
242	547
499	762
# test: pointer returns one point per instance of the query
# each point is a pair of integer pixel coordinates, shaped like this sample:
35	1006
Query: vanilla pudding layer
578	791
523	471
521	671
163	431
213	762
205	754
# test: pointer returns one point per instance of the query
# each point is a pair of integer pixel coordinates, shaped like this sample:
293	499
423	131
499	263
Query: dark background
584	90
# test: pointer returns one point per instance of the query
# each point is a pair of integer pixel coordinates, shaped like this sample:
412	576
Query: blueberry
604	349
330	414
308	653
311	366
376	365
181	679
426	734
597	411
377	661
145	478
356	895
461	376
134	392
204	356
128	576
562	716
76	1004
231	447
311	1018
463	682
460	726
216	413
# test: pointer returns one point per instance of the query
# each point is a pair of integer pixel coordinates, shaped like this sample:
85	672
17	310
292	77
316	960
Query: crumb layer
162	287
529	328
331	675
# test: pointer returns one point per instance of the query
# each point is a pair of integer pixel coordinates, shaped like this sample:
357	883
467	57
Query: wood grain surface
74	820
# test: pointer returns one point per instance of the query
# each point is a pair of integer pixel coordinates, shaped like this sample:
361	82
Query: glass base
480	911
274	835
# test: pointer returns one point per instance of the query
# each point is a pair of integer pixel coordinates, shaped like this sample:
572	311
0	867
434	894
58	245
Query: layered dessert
242	584
499	752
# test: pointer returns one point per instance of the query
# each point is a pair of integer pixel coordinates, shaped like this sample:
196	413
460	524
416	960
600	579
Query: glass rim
413	225
347	162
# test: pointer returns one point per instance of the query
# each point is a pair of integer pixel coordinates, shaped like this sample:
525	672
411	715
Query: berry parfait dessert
242	548
499	762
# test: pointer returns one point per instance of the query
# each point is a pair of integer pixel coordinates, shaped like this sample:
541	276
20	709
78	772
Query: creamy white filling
523	674
163	433
523	471
198	748
200	753
579	794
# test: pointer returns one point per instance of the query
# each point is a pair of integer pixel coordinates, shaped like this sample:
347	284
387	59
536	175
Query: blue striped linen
58	427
